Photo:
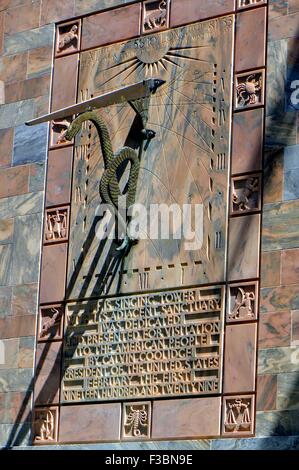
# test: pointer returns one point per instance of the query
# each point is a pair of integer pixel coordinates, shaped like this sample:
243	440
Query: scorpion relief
136	421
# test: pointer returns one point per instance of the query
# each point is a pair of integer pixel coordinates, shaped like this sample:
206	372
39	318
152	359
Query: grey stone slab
27	342
5	264
15	435
276	76
291	186
27	249
277	423
16	380
288	391
11	354
37	177
281	130
291	157
30	144
262	443
5	301
15	114
149	445
278	360
280	226
26	352
279	299
14	206
6	231
26	40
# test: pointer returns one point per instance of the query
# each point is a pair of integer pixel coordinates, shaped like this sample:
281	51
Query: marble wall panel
251	30
243	252
190	11
58	190
240	358
90	423
185	418
113	26
47	373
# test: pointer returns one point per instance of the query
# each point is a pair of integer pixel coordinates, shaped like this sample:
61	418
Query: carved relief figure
137	419
68	38
244	306
60	127
46	327
249	90
56	225
157	18
242	199
237	416
44	425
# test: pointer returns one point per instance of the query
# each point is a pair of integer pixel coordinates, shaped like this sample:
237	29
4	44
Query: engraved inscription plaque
187	163
144	346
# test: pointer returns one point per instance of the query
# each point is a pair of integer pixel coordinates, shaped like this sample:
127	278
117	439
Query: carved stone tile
58	189
47	376
155	15
64	88
187	418
90	423
136	421
249	89
242	302
247	149
186	164
57	132
246	194
250	3
45	425
50	322
56	224
250	39
240	358
238	416
68	37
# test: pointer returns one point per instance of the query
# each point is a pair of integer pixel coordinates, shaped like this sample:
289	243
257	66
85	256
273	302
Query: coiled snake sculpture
109	184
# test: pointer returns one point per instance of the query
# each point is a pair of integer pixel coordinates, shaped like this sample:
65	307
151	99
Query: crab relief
249	90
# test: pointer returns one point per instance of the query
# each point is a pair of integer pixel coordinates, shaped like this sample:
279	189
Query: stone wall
26	48
278	368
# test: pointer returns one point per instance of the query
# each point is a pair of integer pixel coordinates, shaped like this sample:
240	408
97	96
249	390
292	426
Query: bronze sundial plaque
144	326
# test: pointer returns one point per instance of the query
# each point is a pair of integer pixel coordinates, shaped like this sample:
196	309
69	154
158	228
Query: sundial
144	317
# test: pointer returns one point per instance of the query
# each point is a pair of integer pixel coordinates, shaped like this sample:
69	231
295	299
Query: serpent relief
109	185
